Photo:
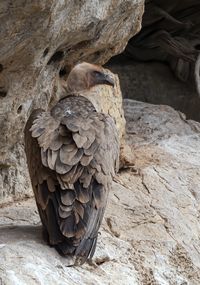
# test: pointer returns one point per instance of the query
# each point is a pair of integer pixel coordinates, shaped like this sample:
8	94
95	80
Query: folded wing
72	154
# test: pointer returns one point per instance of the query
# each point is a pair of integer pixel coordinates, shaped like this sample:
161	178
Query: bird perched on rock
72	153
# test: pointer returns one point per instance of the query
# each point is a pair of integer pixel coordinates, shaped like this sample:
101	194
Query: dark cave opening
159	64
154	82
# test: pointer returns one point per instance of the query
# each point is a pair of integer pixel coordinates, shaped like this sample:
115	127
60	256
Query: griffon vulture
72	153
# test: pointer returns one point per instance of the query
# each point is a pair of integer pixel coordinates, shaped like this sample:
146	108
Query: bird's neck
93	94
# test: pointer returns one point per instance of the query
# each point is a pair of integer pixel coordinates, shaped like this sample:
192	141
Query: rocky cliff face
150	233
170	33
153	82
39	41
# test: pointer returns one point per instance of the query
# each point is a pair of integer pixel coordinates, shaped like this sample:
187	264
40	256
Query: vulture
73	154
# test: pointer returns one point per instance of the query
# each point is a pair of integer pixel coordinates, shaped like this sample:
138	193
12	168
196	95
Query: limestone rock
109	101
154	83
150	233
38	41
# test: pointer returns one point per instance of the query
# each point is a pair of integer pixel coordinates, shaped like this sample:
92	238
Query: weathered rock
153	82
150	234
38	41
170	33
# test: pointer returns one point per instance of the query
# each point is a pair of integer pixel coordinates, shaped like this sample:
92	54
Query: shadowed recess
57	56
3	94
22	232
19	109
63	72
45	52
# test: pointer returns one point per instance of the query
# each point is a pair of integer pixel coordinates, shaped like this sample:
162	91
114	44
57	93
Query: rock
109	101
153	82
150	233
39	41
170	33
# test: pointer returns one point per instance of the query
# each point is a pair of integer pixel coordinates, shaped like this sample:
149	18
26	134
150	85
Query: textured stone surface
170	33
37	40
150	234
154	82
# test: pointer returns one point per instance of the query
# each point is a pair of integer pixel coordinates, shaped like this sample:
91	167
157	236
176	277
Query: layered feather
72	152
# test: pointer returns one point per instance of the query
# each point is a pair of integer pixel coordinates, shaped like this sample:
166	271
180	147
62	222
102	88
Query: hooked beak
104	78
109	80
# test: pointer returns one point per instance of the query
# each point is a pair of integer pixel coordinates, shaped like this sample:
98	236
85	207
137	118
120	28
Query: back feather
71	152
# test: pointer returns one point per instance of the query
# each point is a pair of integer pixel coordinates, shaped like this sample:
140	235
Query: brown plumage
72	154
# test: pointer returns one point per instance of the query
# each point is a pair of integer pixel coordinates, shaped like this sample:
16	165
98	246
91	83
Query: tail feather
65	248
81	247
55	235
85	251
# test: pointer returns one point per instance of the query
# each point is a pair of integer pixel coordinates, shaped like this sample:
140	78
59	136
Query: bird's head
85	75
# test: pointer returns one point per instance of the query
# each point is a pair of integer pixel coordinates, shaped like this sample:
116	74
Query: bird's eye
96	73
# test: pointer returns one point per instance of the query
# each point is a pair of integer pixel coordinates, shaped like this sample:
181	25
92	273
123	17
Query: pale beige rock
37	40
109	101
150	234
